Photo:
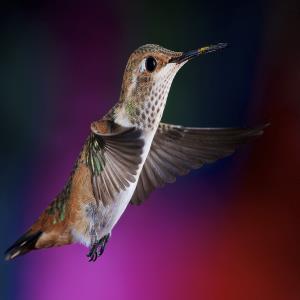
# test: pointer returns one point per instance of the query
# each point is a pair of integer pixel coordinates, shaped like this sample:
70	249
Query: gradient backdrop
227	231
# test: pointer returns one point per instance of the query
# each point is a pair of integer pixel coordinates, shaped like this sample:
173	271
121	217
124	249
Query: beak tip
223	45
212	48
193	53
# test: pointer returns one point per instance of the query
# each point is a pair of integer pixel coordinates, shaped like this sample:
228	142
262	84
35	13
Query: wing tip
259	130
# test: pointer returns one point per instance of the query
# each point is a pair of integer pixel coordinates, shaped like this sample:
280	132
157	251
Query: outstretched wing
176	150
113	155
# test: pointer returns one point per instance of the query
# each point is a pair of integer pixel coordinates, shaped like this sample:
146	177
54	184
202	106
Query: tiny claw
101	251
91	254
97	249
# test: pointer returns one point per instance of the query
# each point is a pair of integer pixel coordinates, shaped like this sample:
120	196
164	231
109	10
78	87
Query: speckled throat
144	94
145	107
145	103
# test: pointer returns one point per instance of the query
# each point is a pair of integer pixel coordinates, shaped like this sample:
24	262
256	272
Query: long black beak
194	53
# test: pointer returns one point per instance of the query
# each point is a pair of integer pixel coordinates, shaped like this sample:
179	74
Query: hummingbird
129	153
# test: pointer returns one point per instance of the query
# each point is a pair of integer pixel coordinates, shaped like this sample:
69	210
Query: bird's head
147	79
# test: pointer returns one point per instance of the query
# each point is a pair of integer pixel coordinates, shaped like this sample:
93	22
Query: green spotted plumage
57	208
94	154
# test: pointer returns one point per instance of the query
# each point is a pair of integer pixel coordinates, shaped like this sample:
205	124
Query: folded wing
113	155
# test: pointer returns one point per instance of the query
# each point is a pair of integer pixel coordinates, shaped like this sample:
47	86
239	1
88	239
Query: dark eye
150	64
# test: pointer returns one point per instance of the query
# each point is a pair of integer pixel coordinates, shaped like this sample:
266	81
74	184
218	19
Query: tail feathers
23	245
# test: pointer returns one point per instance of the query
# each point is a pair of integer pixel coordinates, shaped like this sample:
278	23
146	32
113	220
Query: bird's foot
98	248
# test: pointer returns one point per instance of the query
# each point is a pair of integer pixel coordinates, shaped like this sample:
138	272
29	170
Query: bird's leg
98	248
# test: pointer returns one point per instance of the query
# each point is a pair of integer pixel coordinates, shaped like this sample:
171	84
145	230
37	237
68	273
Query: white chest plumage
103	218
116	209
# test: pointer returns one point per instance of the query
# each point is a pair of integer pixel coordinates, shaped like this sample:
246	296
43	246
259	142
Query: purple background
227	231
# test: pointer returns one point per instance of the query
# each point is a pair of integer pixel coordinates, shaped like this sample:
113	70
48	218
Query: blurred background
227	231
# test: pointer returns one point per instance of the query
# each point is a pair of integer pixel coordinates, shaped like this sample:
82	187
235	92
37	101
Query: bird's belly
105	217
112	212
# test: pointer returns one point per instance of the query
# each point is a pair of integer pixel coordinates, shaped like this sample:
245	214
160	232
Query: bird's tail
23	245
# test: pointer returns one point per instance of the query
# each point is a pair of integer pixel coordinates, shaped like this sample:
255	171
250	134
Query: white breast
113	212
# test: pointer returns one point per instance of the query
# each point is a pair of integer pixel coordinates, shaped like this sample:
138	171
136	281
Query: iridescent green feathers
95	154
57	208
113	158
